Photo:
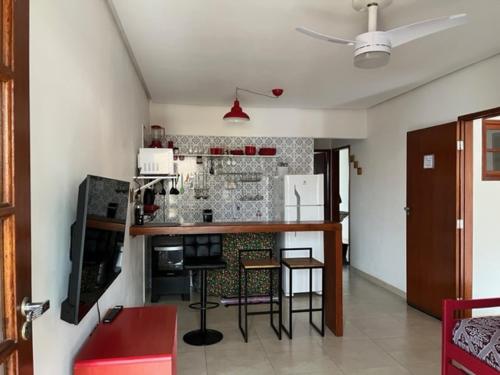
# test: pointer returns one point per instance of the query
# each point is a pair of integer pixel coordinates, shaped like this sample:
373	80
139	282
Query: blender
157	135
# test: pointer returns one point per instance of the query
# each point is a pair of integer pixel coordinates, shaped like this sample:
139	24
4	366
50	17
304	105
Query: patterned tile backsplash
225	198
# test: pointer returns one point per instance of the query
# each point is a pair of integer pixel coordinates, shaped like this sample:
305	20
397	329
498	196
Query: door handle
407	210
32	311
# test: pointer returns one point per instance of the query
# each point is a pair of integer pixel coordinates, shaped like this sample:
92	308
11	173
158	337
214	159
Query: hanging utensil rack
139	180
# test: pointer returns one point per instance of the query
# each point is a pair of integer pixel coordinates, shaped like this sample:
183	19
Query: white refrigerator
300	198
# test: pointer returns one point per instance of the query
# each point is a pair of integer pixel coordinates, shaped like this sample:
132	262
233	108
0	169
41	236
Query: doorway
472	189
344	206
334	164
480	204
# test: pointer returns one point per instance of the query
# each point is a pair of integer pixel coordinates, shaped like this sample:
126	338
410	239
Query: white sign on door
429	161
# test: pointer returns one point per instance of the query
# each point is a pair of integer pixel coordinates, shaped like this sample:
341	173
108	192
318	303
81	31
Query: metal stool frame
271	312
310	310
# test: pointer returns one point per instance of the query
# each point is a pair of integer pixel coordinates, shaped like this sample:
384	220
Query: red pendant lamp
236	114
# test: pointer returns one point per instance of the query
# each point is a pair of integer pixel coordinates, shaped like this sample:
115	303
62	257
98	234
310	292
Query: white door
306	190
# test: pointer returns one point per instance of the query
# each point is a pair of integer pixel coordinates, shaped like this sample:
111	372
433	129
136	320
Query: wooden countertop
332	246
235	227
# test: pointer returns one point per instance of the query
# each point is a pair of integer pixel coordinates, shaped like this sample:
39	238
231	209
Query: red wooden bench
453	356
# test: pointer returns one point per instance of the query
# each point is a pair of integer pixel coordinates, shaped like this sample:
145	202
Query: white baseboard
379	282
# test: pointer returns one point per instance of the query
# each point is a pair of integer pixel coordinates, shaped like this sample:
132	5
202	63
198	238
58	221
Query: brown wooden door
15	239
432	214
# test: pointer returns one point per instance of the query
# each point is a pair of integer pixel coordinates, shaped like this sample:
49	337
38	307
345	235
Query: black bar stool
270	264
203	253
310	264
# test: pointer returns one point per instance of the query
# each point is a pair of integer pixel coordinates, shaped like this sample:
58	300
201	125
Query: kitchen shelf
228	156
155	178
238	173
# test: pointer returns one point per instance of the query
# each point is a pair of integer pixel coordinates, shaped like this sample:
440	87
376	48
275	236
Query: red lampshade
236	114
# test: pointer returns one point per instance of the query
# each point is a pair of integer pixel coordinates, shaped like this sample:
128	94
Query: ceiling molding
126	43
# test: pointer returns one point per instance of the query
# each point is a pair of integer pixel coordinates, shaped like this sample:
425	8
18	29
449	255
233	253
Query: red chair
453	354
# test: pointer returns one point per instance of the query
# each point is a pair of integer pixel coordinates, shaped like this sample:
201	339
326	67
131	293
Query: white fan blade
328	38
405	34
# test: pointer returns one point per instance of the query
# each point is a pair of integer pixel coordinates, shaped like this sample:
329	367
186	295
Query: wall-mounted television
97	239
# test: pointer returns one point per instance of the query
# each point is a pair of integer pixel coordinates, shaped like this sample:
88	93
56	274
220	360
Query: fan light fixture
236	114
373	48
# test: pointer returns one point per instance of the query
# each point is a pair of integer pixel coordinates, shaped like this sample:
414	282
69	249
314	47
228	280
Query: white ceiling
197	51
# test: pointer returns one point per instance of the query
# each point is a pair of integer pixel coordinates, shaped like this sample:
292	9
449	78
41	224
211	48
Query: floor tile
191	363
425	370
244	362
382	371
303	362
357	354
382	336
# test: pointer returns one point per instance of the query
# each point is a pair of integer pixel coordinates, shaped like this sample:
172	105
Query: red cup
250	150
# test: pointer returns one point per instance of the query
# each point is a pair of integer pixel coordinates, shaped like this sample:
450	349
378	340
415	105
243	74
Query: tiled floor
382	336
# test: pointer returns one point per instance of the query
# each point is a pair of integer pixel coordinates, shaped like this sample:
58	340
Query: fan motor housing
372	50
374	41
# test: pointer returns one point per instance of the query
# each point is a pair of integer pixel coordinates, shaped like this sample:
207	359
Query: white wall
87	109
379	194
486	206
271	122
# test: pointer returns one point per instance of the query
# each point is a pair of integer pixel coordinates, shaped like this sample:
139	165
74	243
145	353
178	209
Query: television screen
97	239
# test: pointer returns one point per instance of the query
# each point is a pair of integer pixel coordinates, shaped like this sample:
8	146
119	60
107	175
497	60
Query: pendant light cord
255	93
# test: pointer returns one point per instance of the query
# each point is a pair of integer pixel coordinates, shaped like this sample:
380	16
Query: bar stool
247	265
203	253
308	263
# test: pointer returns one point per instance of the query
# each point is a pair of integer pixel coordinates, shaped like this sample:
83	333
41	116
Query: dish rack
251	198
251	177
243	176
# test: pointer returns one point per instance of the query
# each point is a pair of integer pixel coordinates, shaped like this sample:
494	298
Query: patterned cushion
481	338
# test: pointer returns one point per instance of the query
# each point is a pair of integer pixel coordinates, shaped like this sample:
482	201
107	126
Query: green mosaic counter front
224	283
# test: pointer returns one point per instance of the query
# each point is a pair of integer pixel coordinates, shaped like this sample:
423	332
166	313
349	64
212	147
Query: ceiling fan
373	48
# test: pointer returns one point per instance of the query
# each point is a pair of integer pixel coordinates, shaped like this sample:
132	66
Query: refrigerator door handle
297	195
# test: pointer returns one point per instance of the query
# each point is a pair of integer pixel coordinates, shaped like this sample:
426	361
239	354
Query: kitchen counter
332	251
234	227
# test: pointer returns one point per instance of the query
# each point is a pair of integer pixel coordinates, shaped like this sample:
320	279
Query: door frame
466	165
328	178
333	182
15	352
